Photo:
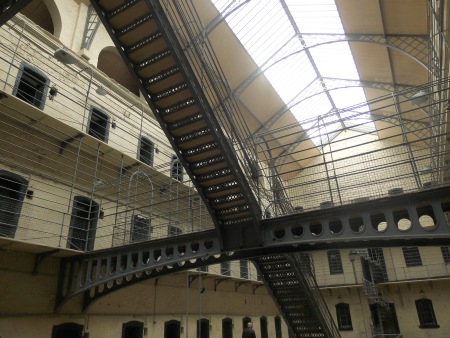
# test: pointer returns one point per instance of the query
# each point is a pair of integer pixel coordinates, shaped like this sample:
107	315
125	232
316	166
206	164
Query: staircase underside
143	35
289	288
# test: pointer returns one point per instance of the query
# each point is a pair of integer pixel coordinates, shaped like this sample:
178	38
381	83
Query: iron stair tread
203	151
139	50
127	11
154	63
228	201
187	125
208	164
216	178
132	30
221	189
117	7
194	139
179	111
171	95
162	80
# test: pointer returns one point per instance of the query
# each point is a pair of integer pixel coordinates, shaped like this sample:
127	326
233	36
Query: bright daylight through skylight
290	45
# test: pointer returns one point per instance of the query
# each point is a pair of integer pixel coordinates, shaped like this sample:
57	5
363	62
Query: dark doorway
227	328
12	192
172	329
133	329
67	330
245	321
263	327
203	328
385	318
83	224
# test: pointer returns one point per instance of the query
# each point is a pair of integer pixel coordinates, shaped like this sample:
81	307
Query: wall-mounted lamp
64	56
203	291
421	292
101	91
52	92
419	97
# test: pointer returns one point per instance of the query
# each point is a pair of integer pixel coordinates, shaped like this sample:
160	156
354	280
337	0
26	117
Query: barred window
225	268
31	86
140	228
146	151
243	264
426	315
412	256
176	171
98	126
446	254
335	262
343	317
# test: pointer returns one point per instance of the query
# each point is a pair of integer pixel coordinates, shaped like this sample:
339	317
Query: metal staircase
173	74
9	8
292	284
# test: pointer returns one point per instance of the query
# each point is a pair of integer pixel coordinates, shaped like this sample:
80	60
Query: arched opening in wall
445	205
172	329
335	225
38	12
427	218
12	192
227	328
203	328
133	329
110	63
67	330
83	224
402	219
245	322
278	332
263	327
378	221
356	223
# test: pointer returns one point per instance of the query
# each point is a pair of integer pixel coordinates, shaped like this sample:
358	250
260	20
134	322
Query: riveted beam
10	8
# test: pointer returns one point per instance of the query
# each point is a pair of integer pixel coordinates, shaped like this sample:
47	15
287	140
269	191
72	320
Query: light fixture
421	292
203	291
64	56
419	97
101	91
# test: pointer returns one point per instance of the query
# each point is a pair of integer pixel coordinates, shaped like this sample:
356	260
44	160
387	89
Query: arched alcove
37	11
110	62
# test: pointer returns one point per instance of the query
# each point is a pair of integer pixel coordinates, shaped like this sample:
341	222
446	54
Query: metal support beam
9	8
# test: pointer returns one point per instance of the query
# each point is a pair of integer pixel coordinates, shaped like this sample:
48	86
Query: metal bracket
219	281
256	286
238	284
40	257
65	143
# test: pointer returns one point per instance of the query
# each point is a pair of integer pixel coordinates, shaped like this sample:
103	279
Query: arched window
172	329
146	151
335	262
225	268
243	268
278	332
245	321
83	224
31	85
426	315
263	327
38	12
12	192
203	328
344	317
133	329
227	328
67	330
98	125
140	228
176	170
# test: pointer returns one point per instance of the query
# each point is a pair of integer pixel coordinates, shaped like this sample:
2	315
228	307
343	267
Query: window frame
176	169
411	255
425	313
344	317
445	250
243	269
149	159
90	131
134	235
38	75
335	263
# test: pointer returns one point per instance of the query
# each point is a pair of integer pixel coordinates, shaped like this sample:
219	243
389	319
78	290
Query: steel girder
373	222
9	8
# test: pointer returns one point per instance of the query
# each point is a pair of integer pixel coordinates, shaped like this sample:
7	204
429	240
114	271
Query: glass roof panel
277	45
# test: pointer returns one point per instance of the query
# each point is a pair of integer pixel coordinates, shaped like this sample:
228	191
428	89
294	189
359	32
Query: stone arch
110	62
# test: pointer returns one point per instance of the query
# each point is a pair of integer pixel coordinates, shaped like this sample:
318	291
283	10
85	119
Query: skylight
287	43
